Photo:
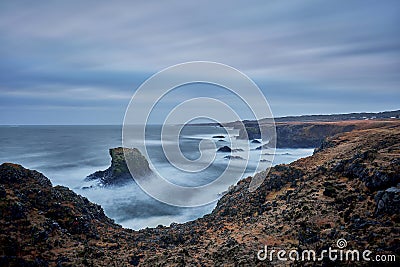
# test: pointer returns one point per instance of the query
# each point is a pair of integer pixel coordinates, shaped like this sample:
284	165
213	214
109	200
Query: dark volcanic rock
48	217
228	149
233	157
388	201
118	173
224	149
359	166
218	136
261	147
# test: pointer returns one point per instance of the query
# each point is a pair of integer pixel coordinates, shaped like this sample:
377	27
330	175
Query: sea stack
118	173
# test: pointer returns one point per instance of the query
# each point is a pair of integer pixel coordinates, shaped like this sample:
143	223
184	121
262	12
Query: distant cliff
118	173
307	134
348	189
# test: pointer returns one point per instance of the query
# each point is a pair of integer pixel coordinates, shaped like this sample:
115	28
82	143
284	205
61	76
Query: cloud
338	46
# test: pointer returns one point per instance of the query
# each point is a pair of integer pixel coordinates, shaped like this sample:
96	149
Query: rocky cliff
118	173
307	134
348	189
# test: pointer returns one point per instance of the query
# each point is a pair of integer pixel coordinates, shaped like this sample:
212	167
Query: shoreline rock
234	157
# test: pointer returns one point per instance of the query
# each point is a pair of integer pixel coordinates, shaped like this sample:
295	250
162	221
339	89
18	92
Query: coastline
293	207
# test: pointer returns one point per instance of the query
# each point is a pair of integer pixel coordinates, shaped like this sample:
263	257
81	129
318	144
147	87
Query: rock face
118	173
38	219
339	192
307	134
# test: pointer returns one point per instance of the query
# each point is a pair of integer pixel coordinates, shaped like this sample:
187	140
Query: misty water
67	154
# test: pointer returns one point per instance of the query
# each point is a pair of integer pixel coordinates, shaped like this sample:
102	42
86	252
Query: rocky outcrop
360	166
388	201
118	173
38	220
308	204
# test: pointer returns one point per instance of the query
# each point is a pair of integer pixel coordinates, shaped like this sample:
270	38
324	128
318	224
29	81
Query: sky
80	62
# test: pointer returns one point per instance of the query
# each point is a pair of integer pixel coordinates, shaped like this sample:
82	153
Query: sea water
67	154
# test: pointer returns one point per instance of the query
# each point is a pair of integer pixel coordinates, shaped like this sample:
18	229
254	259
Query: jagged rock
118	173
375	179
218	136
48	217
388	201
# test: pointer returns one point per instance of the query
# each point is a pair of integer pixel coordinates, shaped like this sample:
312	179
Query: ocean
67	154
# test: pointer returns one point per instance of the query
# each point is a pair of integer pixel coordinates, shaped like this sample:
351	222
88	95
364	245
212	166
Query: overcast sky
79	62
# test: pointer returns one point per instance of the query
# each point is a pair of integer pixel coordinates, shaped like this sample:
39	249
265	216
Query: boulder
224	149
